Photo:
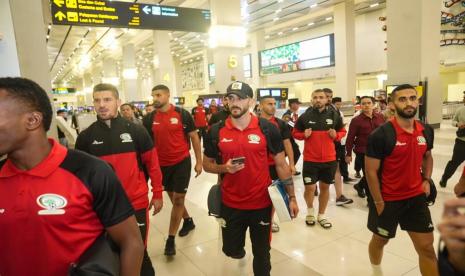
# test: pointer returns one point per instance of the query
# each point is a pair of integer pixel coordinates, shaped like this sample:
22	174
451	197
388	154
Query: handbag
100	259
214	201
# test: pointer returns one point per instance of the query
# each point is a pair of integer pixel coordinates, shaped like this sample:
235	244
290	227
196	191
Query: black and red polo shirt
319	147
285	132
401	169
200	116
128	148
170	133
246	189
51	214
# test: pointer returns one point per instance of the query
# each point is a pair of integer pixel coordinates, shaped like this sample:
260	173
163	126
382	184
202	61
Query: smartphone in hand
238	160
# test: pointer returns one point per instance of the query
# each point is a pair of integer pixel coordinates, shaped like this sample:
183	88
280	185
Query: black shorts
234	230
412	214
313	172
273	172
176	177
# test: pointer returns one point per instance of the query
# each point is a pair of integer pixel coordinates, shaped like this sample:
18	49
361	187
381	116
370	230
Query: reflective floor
297	249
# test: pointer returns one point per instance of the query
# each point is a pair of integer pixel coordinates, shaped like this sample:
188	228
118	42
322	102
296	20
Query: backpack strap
428	132
215	138
265	128
147	121
390	134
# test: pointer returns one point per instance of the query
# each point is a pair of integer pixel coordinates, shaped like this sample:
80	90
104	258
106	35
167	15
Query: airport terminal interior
283	49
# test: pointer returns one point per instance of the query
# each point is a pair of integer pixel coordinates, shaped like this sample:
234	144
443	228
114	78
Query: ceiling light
280	1
374	5
267	36
328	18
177	55
48	36
280	33
49	26
295	28
185	47
181	43
170	33
278	10
190	51
175	39
197	36
89	29
172	52
276	19
190	60
311	23
313	6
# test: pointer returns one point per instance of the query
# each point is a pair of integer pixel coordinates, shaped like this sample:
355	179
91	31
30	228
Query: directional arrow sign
147	9
60	15
59	3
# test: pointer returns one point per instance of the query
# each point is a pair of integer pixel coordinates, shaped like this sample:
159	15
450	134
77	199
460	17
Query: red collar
417	127
252	124
44	168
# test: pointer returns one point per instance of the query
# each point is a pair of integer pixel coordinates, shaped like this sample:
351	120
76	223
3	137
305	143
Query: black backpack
390	143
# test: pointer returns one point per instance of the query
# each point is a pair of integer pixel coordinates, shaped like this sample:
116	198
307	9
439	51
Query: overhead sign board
63	90
129	15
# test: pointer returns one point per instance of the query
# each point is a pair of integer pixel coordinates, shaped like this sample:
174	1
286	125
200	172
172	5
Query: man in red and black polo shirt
398	180
200	114
128	148
172	129
221	115
319	127
360	127
244	187
54	202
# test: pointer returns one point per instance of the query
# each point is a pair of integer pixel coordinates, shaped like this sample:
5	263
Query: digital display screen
247	62
264	92
276	93
129	15
307	54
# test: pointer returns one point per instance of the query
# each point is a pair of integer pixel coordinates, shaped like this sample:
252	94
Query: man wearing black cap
291	115
244	148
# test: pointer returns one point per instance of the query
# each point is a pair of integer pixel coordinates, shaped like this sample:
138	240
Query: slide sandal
325	223
310	220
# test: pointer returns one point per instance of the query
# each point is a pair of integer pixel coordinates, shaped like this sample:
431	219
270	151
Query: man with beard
246	203
458	156
200	114
290	116
55	202
127	147
398	178
319	127
172	129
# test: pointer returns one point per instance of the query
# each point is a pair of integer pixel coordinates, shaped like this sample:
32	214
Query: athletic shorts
412	214
176	177
313	172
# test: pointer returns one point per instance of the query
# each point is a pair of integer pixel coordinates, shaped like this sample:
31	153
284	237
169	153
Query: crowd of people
58	205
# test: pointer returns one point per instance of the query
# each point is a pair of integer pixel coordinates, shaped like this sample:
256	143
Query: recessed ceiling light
276	19
374	5
311	23
328	18
280	33
313	6
295	28
278	10
267	36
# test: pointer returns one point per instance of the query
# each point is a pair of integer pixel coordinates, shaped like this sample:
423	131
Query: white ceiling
67	45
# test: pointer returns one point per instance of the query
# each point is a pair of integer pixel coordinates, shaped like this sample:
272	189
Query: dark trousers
363	181
259	224
142	221
296	150
458	156
359	162
341	154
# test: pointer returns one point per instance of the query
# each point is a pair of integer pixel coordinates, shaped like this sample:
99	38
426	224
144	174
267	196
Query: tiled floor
297	249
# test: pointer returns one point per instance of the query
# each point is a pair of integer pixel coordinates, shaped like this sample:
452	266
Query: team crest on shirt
174	121
253	139
125	138
52	204
421	140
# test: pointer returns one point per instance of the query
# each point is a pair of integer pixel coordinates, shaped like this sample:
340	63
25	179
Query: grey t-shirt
459	117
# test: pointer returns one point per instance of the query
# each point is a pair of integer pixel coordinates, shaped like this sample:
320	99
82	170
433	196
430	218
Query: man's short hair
107	87
399	88
327	90
372	99
59	111
266	97
199	99
161	87
127	104
30	94
318	91
336	100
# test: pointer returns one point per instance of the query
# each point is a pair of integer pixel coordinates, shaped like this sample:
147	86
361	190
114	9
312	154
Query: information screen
277	93
129	15
307	54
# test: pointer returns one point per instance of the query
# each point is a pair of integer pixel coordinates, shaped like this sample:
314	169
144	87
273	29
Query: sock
321	216
377	269
310	211
170	238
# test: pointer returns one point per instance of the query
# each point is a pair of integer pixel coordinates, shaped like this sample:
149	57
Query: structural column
413	35
163	62
129	79
227	40
344	40
257	44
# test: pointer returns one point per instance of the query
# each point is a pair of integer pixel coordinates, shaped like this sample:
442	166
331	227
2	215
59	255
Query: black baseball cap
241	89
294	100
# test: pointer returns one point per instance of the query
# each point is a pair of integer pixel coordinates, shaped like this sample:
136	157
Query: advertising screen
307	54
